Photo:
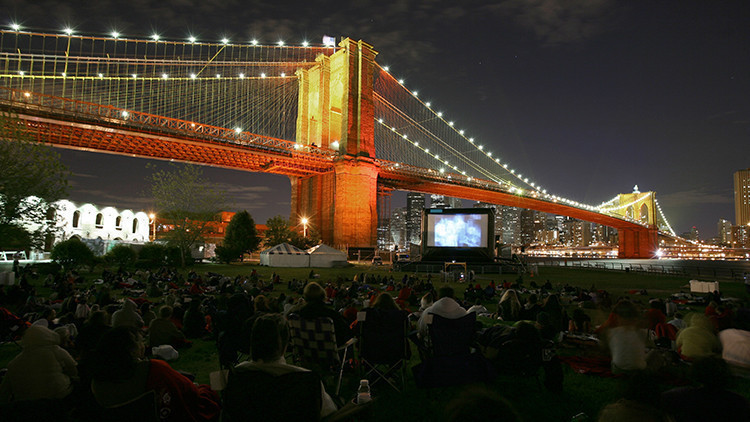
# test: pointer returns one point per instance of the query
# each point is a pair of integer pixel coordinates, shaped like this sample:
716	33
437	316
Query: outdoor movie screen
457	230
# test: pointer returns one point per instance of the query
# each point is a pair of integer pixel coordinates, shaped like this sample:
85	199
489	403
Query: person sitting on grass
163	331
43	369
121	374
509	307
698	339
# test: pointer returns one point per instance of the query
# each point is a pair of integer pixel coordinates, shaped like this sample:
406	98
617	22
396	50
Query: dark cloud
560	21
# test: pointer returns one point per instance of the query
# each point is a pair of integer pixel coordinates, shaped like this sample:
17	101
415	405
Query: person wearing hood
446	307
698	340
42	370
128	316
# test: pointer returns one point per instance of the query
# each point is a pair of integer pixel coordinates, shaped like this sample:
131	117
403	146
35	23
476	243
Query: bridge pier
638	243
336	105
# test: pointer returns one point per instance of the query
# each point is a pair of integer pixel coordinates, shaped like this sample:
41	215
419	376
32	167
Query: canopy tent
325	256
284	255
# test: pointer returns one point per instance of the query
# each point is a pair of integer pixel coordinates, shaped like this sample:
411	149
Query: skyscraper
742	197
398	228
414	205
724	231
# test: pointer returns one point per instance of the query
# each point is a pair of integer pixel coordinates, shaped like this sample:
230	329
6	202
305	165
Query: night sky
585	97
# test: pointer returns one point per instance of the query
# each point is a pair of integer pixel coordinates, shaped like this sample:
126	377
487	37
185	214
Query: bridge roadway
78	125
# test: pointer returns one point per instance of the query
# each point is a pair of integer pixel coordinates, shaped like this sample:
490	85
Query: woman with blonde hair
509	307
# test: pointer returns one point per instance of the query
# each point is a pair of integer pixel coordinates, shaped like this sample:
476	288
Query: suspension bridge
340	126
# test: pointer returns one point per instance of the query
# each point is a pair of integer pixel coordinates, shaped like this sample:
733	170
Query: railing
691	269
132	119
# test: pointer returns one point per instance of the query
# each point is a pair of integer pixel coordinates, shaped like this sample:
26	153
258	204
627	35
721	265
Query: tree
186	202
31	178
122	255
241	237
278	231
305	242
72	253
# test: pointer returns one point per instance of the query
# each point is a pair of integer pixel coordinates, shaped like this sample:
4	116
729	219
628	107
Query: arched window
76	219
644	213
99	221
629	212
135	225
51	213
118	222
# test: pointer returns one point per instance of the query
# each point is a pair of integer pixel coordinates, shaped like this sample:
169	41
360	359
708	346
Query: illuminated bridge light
461	131
164	76
401	81
305	43
427	104
115	34
450	123
192	39
280	43
101	75
242	76
225	41
440	114
16	27
380	121
386	68
155	37
254	41
68	31
193	76
21	72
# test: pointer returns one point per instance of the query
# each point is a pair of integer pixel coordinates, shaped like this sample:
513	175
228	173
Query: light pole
152	226
304	221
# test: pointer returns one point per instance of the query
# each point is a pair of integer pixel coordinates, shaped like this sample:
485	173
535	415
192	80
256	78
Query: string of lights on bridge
536	191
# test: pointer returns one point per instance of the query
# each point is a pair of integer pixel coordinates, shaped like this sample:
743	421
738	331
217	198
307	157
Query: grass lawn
581	393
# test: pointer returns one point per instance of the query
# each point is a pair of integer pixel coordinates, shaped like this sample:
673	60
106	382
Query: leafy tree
305	242
122	255
31	177
187	202
278	231
241	237
152	255
72	253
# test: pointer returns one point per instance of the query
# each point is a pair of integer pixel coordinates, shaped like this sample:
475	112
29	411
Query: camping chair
383	346
448	359
142	408
256	395
314	344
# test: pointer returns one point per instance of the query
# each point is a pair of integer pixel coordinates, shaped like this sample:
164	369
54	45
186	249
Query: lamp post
152	226
304	221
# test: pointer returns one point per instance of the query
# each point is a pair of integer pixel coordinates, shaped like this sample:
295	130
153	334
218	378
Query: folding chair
256	395
383	346
448	358
314	344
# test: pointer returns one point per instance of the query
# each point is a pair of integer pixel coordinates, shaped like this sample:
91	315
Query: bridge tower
639	206
336	106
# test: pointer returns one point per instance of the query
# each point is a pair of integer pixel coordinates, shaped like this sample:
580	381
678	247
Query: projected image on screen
459	230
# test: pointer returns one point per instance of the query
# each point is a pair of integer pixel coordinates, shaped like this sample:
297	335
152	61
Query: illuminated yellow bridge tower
641	207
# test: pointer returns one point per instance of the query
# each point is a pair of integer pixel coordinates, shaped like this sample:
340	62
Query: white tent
284	255
324	256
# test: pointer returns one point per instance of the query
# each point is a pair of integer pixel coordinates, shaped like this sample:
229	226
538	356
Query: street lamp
304	221
152	225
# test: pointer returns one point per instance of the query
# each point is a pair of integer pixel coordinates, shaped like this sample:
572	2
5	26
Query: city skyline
586	101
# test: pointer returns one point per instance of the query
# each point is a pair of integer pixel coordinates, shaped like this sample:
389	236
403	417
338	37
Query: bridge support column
638	243
337	105
341	206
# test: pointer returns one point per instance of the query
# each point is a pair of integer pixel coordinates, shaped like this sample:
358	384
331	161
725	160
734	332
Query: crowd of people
99	343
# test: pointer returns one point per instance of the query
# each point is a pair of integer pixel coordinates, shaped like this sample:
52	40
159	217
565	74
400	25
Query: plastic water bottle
363	392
